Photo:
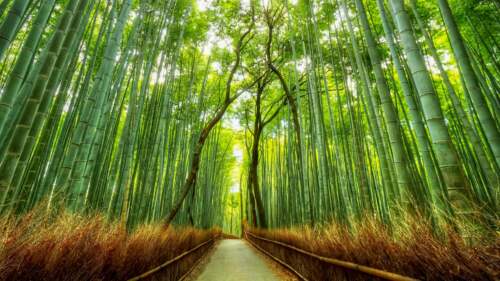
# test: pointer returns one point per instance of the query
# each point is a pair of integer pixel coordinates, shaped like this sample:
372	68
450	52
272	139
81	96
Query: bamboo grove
344	109
101	102
389	127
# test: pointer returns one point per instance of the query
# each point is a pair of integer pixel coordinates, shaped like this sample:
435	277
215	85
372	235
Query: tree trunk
253	178
195	161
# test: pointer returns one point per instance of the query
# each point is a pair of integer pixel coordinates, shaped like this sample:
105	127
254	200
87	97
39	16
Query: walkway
235	260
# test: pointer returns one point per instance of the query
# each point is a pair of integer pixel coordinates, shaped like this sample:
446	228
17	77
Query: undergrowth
412	251
72	247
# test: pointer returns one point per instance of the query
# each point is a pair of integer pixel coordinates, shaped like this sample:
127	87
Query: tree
243	40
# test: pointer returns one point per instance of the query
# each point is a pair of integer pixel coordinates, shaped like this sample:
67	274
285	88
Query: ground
236	260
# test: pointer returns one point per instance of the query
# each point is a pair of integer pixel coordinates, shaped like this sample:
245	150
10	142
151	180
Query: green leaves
122	107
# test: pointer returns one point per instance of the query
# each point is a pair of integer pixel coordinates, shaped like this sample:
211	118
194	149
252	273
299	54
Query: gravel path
235	260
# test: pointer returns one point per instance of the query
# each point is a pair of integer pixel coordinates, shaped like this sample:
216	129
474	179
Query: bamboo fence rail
344	264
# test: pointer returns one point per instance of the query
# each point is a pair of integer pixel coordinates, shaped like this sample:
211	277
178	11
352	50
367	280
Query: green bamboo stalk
456	183
490	126
10	25
391	117
28	113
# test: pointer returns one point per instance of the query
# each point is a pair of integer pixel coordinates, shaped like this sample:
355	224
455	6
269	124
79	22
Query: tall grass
72	247
412	251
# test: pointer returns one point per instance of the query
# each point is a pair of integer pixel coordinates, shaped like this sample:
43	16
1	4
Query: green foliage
378	118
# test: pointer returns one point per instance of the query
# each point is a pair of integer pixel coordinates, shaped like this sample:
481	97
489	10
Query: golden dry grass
413	251
72	247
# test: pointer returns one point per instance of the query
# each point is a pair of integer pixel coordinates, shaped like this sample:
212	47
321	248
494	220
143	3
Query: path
235	260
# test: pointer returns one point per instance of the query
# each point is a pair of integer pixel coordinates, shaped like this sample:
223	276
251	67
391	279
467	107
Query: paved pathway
235	260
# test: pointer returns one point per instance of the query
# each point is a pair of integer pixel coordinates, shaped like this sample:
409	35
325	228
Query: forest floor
235	259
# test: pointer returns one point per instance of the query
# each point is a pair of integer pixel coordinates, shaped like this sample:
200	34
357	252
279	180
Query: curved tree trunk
195	160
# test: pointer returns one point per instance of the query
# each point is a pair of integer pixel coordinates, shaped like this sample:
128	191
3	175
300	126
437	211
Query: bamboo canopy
282	113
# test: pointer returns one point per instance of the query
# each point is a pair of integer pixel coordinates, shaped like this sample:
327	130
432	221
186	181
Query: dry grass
72	247
229	236
413	251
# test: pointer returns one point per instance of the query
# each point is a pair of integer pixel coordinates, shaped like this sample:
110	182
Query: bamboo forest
219	140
